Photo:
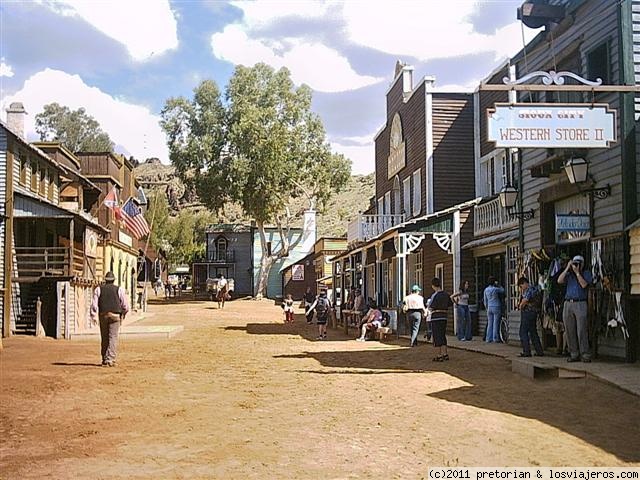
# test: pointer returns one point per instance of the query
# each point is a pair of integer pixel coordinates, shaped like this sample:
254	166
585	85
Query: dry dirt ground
241	395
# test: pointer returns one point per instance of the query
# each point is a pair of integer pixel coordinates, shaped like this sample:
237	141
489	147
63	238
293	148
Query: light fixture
577	170
508	197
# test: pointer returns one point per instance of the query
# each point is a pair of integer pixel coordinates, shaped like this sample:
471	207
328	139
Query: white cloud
5	70
132	126
362	157
427	30
144	27
321	67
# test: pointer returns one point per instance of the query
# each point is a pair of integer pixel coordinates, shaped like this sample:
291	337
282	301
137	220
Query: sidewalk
625	376
130	329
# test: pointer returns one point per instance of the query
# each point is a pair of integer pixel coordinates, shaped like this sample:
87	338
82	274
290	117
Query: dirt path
240	395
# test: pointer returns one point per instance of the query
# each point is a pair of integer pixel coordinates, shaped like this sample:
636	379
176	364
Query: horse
221	296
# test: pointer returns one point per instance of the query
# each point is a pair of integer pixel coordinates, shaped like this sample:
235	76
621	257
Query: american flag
134	220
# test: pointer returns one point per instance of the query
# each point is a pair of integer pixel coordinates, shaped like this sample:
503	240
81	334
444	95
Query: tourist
529	306
493	303
461	299
322	307
110	305
413	306
371	321
574	313
287	307
309	299
439	304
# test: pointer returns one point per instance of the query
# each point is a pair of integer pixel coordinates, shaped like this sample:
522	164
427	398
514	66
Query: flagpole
146	246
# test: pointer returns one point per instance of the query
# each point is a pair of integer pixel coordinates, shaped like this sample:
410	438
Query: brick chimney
15	118
407	78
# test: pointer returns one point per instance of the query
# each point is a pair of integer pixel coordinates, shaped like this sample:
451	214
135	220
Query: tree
261	147
76	130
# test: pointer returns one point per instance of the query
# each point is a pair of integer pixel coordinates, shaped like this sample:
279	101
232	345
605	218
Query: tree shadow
599	414
298	327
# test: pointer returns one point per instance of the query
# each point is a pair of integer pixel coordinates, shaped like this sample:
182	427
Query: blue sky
121	59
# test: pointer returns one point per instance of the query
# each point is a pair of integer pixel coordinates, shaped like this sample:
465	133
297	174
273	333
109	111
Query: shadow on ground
298	327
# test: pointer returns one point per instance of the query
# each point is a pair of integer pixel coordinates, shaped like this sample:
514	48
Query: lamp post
508	197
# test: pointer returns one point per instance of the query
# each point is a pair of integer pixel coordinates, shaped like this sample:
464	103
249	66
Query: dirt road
240	395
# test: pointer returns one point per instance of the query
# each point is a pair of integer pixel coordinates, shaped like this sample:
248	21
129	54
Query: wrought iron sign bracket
598	193
525	215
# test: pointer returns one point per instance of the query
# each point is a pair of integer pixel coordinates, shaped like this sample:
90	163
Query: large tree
75	129
261	146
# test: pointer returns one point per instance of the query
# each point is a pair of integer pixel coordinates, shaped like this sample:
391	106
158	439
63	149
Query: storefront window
489	266
513	252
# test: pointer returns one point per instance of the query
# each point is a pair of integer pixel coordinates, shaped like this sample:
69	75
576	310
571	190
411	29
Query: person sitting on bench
371	321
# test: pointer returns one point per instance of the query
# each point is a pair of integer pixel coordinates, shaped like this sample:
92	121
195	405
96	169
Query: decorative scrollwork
551	77
444	241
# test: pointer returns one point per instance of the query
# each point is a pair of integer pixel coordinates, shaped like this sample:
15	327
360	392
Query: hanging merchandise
596	261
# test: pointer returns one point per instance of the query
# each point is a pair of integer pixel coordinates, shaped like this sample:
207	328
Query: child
287	306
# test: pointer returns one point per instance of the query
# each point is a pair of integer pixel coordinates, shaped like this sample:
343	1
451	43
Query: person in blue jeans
529	306
493	303
461	299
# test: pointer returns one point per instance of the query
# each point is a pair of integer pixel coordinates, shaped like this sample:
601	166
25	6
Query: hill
153	174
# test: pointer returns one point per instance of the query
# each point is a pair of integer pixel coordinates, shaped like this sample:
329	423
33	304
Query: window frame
417	192
406	197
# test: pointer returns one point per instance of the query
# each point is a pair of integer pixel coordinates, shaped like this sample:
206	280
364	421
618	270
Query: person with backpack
530	306
322	307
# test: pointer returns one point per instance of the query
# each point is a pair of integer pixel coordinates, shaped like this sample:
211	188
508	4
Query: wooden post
71	245
8	247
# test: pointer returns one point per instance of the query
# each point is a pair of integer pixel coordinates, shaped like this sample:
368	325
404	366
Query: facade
52	245
424	196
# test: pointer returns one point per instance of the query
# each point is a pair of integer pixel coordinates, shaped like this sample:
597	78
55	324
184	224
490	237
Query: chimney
15	118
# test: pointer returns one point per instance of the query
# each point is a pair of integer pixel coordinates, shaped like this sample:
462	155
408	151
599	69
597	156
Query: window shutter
417	193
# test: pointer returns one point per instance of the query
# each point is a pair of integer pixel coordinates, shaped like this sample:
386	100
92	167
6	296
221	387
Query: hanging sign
572	227
297	272
91	243
569	125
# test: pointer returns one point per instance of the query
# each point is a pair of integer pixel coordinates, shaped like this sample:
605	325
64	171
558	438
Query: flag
111	200
141	197
134	220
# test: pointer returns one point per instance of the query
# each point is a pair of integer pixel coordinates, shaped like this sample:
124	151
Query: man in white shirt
413	306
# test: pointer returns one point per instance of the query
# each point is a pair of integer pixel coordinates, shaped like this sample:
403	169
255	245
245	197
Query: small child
287	306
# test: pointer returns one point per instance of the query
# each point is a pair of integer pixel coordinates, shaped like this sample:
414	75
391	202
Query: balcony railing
221	256
491	217
36	262
365	227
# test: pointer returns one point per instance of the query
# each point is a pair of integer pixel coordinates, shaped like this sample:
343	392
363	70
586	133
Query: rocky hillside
152	174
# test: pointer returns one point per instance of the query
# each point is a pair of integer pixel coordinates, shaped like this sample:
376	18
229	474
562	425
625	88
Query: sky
122	59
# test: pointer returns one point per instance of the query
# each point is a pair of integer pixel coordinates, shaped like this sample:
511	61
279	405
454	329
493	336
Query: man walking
529	307
493	303
322	306
413	306
110	305
574	313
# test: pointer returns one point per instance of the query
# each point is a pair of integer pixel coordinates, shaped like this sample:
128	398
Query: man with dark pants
110	306
413	306
574	313
529	310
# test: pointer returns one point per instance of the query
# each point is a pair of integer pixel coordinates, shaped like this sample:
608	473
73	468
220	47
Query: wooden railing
491	217
221	256
366	227
36	262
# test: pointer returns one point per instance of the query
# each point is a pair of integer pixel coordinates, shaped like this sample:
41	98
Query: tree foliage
261	146
75	129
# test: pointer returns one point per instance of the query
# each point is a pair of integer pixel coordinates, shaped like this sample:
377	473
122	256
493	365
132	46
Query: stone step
532	369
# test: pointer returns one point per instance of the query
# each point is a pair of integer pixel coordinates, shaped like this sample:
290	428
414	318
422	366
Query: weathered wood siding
635	10
412	116
432	256
595	23
453	162
3	199
634	245
241	244
487	100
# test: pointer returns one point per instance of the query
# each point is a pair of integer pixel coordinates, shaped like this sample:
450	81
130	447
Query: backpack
322	306
536	302
385	318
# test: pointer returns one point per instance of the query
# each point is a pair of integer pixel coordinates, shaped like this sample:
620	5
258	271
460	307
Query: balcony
490	217
35	262
365	227
221	256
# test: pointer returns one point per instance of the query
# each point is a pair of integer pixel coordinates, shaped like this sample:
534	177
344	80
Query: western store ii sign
551	125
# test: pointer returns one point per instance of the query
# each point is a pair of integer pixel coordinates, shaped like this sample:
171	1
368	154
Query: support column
8	248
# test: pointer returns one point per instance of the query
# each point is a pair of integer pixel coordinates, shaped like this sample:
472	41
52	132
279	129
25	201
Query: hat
416	288
578	259
109	277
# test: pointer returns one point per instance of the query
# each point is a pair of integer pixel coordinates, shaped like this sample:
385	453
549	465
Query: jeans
493	324
574	316
415	317
464	322
528	330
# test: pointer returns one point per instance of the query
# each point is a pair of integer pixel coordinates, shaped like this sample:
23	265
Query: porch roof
503	238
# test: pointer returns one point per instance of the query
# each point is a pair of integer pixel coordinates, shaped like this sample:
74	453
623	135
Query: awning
327	279
501	238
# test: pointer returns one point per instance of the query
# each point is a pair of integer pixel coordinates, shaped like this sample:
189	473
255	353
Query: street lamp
508	197
577	169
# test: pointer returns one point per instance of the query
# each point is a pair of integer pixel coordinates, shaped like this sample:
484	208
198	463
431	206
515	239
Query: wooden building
424	195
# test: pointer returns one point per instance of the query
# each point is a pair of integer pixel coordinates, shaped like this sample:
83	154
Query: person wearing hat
574	313
413	306
110	305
